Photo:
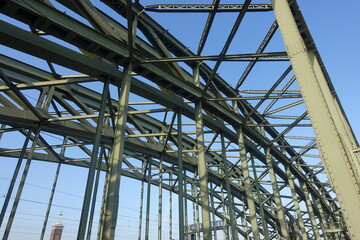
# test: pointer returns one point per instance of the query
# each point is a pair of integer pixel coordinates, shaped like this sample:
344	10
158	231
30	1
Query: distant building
194	231
57	229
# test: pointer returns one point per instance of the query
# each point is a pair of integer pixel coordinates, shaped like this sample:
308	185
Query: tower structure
57	229
241	125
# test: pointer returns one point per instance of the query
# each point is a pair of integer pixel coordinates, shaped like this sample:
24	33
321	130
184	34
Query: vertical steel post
21	185
247	185
323	222
93	202
296	203
92	167
62	152
148	195
202	168
261	207
193	206
185	203
160	198
107	231
14	177
50	201
213	223
103	201
197	223
279	208
170	205
225	209
141	203
202	171
310	210
180	179
230	201
244	220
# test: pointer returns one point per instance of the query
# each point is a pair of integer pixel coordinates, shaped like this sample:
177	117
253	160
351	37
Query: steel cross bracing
206	7
131	100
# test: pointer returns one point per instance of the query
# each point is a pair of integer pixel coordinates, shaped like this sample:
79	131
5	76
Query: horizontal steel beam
221	111
17	38
256	98
275	56
206	8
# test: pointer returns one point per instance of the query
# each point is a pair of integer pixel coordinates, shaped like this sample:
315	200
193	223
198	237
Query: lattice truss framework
115	91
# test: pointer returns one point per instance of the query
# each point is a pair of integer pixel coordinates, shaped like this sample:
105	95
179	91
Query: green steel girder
91	95
96	98
15	116
115	49
226	115
134	175
180	85
78	90
334	136
178	49
207	8
94	65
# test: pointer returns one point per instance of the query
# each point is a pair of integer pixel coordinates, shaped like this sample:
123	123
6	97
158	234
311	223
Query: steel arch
269	191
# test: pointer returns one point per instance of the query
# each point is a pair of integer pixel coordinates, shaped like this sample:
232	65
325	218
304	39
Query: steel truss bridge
250	135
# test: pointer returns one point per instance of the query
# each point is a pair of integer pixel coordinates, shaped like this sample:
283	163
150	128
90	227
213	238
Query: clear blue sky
334	26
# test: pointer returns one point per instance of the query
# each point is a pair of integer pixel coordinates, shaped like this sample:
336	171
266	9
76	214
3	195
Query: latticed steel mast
227	143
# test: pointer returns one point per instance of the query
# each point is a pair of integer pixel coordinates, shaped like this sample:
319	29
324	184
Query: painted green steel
335	140
236	165
276	193
107	230
299	216
248	185
21	184
93	164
